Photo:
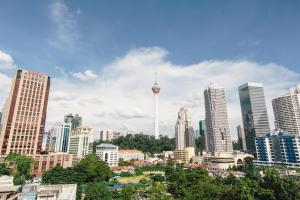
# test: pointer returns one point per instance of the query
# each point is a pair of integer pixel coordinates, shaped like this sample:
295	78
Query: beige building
184	155
108	135
23	122
131	154
81	141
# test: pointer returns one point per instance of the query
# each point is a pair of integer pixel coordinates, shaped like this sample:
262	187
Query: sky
102	55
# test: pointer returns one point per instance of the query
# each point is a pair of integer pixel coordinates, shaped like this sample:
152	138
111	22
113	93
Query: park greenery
19	166
145	143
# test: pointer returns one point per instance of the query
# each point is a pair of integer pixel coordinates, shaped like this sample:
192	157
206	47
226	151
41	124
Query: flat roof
251	84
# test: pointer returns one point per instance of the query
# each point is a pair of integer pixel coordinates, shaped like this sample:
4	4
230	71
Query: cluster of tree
17	165
263	183
145	143
89	169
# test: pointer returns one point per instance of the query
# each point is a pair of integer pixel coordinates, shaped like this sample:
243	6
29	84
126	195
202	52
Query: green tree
4	170
97	191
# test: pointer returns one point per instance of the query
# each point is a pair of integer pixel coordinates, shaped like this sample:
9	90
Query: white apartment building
81	141
131	154
287	111
108	153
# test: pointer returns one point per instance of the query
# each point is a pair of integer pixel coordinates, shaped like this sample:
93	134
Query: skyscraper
241	137
156	90
76	120
254	113
63	132
184	131
287	111
216	120
24	120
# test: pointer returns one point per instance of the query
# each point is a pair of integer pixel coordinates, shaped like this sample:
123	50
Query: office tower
184	131
241	137
0	117
108	153
75	120
108	135
287	111
254	113
156	90
216	120
63	132
81	141
24	121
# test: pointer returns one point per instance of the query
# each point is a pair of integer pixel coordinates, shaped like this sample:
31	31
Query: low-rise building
44	162
6	181
184	155
108	153
131	154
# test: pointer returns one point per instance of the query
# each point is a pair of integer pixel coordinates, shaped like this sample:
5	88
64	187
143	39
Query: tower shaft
156	128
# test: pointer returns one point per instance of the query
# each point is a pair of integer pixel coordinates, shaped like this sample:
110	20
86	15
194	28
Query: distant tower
155	90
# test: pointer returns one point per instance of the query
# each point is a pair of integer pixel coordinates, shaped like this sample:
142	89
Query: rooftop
106	145
130	151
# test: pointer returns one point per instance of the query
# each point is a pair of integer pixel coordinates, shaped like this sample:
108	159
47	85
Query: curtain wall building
184	131
287	111
23	123
63	133
254	113
216	120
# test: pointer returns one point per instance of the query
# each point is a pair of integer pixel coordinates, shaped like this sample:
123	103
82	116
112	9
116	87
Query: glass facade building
254	113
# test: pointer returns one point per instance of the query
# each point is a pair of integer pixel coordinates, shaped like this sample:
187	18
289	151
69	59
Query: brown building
44	162
25	114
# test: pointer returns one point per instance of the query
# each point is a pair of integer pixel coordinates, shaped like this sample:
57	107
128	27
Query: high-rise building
184	131
216	120
81	141
254	113
287	111
63	132
108	135
24	121
75	120
108	153
0	117
156	90
241	137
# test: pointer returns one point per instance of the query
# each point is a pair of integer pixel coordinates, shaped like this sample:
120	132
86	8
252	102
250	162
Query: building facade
184	131
278	147
63	132
241	137
184	155
75	120
254	113
81	141
24	121
287	111
108	153
108	135
131	154
216	120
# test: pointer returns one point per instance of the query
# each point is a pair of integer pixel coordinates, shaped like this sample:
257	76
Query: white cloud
86	75
6	61
65	26
120	97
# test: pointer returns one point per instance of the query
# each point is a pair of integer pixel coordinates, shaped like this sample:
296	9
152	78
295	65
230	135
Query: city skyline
107	79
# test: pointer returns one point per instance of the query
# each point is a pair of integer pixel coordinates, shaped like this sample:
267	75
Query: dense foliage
258	184
21	166
89	169
4	170
145	143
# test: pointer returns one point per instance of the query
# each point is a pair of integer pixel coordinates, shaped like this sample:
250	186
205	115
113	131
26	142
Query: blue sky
77	42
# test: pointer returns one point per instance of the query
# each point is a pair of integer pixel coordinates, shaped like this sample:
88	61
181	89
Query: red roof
130	151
